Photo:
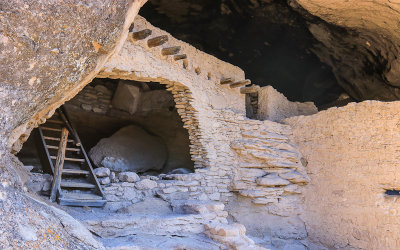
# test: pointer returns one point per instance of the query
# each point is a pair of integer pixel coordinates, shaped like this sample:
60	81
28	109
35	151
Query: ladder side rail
59	166
92	175
65	118
46	149
92	172
47	154
41	150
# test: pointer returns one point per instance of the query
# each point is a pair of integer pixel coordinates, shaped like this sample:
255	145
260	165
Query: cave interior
141	116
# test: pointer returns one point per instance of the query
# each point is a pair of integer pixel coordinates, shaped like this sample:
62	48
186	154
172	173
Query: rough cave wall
353	157
47	57
360	41
276	41
266	38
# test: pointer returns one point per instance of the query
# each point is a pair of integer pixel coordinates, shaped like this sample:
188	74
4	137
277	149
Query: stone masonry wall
269	173
214	114
199	96
93	99
353	158
274	106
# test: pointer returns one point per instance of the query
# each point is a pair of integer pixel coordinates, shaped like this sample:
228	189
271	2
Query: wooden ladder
74	183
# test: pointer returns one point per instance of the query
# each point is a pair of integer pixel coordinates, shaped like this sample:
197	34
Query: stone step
159	242
75	171
120	225
76	184
81	202
232	236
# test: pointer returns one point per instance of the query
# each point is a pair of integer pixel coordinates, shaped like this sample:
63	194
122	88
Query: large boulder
130	149
126	97
156	100
48	50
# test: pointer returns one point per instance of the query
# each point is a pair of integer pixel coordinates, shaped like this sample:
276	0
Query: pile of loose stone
125	188
39	183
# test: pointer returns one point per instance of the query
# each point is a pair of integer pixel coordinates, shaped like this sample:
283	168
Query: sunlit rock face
48	50
48	55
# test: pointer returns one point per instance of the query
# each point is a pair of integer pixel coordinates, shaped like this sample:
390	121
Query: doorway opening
124	126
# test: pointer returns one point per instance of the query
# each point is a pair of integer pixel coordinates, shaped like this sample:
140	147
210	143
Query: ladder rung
55	138
68	159
81	203
81	196
50	129
67	149
74	171
72	184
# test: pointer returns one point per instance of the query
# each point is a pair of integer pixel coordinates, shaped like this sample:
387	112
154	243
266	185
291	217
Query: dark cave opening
269	40
120	120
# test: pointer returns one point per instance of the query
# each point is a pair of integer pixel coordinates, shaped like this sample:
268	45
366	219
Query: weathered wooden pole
59	164
226	80
140	35
180	57
170	51
250	89
240	84
157	41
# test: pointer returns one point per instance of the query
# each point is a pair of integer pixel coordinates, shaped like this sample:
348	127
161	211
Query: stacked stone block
183	100
93	99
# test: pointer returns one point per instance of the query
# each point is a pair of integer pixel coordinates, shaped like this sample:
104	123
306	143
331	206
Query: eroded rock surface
360	41
41	65
49	51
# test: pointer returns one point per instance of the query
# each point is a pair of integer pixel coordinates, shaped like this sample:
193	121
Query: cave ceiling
280	43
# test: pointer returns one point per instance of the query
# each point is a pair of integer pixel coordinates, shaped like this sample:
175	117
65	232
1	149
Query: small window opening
392	192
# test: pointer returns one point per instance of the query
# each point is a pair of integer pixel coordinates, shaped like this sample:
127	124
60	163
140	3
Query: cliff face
49	50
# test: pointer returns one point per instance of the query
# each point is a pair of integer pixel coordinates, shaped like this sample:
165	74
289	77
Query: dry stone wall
353	158
93	99
214	115
124	192
271	174
274	106
183	103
